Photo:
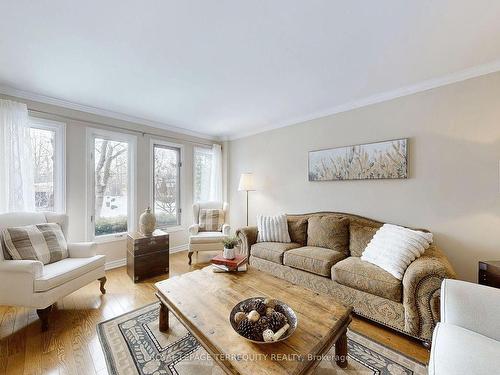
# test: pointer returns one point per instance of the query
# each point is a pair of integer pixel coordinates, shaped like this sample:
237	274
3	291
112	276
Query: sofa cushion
361	275
359	236
330	232
318	260
272	251
58	273
297	227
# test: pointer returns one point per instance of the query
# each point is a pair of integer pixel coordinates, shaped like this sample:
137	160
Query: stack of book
221	264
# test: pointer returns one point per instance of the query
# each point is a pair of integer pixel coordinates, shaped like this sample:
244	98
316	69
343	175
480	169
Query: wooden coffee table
202	301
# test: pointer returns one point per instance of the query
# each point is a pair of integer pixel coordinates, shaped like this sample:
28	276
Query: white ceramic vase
229	253
147	222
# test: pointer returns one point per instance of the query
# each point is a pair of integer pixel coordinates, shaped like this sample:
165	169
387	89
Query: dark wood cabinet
147	256
489	273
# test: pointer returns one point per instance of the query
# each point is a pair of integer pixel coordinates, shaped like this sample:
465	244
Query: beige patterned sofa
325	256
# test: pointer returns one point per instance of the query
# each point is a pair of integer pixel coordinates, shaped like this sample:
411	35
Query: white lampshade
246	182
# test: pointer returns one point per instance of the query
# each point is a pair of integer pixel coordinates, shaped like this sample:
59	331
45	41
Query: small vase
147	222
228	253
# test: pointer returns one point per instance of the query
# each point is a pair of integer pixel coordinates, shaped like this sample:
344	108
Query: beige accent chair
30	283
207	241
467	339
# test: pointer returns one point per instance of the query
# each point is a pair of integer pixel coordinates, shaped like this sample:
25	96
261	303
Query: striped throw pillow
211	220
43	242
272	229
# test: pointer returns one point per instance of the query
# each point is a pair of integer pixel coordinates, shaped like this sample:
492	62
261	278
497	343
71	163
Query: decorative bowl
285	309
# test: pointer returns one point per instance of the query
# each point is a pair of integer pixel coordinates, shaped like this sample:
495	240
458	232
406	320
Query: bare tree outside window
111	186
43	147
166	185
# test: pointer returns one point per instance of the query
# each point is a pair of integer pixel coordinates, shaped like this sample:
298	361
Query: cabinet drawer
150	246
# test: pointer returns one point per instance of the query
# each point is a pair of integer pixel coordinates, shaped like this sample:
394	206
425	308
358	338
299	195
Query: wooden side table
147	256
489	273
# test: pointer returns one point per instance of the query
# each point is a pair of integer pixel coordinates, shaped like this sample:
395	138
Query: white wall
76	167
454	156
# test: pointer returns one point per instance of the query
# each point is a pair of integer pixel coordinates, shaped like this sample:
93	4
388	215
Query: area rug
133	344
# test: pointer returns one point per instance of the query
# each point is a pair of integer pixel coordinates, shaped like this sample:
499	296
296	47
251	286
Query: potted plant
229	244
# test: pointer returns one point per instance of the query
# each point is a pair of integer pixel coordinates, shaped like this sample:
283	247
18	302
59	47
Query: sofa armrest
421	291
33	267
471	306
226	229
82	249
193	229
247	237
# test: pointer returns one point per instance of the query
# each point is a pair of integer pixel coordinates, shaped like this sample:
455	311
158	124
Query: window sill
177	228
111	238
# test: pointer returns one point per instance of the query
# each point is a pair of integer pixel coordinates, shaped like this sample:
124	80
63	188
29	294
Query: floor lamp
246	184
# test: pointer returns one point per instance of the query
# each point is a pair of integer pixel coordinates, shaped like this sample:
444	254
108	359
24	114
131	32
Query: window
47	145
202	168
111	183
166	184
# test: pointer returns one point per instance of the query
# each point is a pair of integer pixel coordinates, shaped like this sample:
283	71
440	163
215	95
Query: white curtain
16	159
215	190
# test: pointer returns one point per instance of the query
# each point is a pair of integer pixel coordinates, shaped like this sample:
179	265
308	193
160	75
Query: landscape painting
381	160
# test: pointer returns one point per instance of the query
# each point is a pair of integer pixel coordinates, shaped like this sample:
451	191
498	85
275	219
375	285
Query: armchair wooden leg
43	314
190	254
103	281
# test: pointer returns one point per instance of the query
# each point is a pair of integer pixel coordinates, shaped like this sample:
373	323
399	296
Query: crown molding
10	91
462	75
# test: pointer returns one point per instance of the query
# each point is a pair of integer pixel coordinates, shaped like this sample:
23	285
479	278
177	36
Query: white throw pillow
272	229
393	248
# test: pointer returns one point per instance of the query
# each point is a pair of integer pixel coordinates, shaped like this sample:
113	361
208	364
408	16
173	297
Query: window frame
91	135
172	146
59	129
207	147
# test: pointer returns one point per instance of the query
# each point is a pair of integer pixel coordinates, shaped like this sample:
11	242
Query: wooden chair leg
43	314
103	281
190	254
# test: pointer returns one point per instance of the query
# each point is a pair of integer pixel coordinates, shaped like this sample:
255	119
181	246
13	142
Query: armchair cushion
207	237
43	242
65	270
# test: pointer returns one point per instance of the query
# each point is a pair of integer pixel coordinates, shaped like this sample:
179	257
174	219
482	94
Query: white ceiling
233	67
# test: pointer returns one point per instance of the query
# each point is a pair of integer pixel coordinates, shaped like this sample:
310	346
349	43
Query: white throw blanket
393	248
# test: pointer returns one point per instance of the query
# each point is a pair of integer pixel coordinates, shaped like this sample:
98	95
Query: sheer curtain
215	190
16	159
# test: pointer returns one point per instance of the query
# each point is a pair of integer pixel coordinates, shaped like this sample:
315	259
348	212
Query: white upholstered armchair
30	283
467	339
207	240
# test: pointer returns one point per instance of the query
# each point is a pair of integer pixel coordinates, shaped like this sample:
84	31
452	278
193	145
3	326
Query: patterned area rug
133	344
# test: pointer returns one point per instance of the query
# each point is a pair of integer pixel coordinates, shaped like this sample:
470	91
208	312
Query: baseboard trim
123	262
115	264
179	248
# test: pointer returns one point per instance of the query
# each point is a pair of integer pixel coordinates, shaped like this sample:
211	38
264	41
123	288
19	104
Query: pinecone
246	307
280	309
259	306
276	321
262	324
246	328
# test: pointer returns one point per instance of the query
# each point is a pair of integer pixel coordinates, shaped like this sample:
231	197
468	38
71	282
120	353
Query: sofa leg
43	314
102	280
190	254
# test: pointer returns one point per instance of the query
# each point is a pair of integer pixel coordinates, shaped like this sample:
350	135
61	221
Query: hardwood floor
71	345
